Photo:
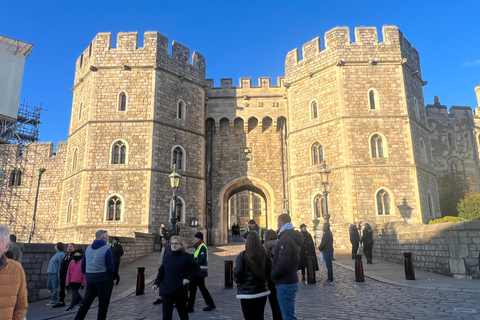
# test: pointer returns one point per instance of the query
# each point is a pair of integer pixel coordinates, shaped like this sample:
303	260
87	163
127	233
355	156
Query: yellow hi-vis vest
197	252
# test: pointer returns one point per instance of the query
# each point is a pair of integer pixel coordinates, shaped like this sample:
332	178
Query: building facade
243	152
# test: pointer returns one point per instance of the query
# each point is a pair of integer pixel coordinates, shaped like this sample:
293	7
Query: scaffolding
22	130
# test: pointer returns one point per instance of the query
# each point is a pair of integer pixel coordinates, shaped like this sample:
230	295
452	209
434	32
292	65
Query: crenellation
366	36
198	61
337	37
127	40
311	49
180	52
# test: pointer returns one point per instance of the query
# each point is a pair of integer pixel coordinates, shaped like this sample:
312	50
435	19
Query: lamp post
174	181
324	173
34	217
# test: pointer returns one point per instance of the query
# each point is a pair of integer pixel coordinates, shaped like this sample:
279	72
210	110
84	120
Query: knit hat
252	222
199	235
303	225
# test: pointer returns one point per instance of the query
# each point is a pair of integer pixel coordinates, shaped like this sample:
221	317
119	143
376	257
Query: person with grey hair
98	267
12	281
53	280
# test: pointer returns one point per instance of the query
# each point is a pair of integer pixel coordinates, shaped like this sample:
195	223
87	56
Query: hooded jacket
97	262
287	257
13	293
75	273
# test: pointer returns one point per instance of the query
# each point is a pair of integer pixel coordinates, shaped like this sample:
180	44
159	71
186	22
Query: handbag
322	259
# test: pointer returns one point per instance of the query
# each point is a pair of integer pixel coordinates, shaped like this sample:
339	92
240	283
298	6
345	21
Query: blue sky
238	39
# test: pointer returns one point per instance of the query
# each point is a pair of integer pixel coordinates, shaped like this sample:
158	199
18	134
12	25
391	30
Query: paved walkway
385	294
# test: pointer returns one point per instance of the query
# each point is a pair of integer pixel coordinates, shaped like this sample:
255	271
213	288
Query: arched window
383	203
178	158
373	102
244	207
317	153
417	108
266	123
114	208
75	159
376	146
80	111
450	140
423	151
431	213
252	124
122	101
453	169
69	210
15	178
318	206
238	126
314	109
181	109
224	126
119	152
257	206
179	208
466	140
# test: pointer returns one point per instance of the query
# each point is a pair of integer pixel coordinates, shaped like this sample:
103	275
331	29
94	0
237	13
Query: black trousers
76	296
253	309
180	301
355	246
272	299
192	287
102	290
115	269
367	250
62	294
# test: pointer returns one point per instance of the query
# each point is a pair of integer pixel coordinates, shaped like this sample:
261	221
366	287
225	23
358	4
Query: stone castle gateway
251	151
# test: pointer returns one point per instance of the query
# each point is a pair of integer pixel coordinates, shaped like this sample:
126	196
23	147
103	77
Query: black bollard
140	281
409	272
359	275
311	278
228	274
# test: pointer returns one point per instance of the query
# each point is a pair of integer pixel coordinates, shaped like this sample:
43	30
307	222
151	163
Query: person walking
165	249
53	270
251	273
177	270
117	252
308	250
97	265
13	292
269	245
367	240
354	238
201	257
75	278
16	249
71	247
286	260
326	247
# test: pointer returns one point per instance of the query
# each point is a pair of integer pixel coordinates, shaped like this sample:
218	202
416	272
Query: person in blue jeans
326	247
286	259
53	281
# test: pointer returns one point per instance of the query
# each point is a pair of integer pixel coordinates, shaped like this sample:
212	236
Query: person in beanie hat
201	257
254	227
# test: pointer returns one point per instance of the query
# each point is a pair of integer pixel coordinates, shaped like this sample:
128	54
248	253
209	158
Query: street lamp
40	171
174	181
324	173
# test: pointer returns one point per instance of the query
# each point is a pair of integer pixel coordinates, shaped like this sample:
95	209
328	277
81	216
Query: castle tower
135	111
359	106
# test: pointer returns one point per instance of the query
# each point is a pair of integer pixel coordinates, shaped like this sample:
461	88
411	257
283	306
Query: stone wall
447	248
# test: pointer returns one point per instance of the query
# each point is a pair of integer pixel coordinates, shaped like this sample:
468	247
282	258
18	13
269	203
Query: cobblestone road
346	299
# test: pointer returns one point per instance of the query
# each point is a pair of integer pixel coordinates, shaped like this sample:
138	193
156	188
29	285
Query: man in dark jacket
286	259
326	247
354	238
307	250
63	274
97	265
254	227
117	252
367	240
201	256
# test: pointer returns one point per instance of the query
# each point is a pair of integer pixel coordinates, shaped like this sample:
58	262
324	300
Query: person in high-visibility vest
254	227
201	256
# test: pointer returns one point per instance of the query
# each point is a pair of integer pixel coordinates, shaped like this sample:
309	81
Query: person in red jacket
75	278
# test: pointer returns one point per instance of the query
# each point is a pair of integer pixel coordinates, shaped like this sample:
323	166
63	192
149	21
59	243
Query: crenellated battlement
339	50
127	55
263	82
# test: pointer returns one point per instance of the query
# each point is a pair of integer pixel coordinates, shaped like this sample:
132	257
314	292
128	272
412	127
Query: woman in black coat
307	250
367	240
177	270
251	274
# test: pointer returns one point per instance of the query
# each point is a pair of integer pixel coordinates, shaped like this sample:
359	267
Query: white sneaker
51	303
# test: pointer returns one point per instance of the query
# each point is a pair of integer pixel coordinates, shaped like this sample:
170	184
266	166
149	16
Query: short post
228	274
140	281
311	279
409	272
359	275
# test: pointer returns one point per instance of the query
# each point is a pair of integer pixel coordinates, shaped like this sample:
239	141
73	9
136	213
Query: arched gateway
252	188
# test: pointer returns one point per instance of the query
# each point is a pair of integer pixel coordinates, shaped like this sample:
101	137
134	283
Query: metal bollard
228	274
409	272
140	281
311	278
359	275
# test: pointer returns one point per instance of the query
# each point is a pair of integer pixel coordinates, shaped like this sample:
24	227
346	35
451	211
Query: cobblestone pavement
346	299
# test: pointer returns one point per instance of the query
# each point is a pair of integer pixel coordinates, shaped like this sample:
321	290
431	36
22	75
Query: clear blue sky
238	39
